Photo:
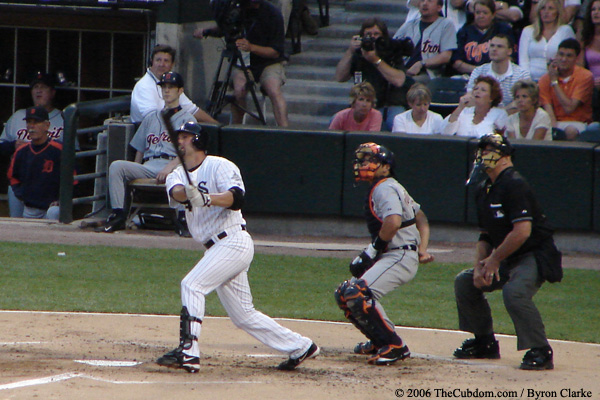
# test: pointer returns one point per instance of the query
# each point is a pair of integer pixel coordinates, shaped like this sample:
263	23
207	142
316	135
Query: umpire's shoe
291	363
178	359
389	354
475	348
538	359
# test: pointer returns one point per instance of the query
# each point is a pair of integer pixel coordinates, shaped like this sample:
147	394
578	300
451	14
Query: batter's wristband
379	244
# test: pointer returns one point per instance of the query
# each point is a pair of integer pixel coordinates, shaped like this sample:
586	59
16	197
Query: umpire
515	253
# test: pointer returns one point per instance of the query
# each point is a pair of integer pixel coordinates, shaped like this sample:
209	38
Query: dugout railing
70	157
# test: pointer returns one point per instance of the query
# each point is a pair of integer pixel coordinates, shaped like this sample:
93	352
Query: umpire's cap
172	78
200	140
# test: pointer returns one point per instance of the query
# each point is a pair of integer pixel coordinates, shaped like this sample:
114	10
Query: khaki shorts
580	126
273	71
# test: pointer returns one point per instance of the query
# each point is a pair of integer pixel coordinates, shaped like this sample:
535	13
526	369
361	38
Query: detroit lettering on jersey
427	47
155	139
475	51
53	133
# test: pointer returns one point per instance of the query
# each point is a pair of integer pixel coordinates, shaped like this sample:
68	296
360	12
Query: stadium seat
445	94
589	135
558	134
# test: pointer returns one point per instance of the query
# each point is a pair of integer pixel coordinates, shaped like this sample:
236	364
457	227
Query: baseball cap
38	113
171	77
42	77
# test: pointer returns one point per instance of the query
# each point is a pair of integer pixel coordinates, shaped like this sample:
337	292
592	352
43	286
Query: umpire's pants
519	285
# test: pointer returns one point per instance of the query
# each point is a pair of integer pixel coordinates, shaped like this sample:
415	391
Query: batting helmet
368	157
200	140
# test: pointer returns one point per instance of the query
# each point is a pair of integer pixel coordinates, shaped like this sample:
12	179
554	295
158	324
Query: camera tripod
218	94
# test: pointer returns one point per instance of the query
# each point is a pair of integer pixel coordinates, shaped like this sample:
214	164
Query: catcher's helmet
200	140
368	157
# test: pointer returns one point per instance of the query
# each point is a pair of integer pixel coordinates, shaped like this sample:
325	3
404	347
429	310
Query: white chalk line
328	246
311	321
72	375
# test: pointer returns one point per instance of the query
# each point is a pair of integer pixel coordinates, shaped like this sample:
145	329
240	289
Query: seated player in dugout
155	155
400	235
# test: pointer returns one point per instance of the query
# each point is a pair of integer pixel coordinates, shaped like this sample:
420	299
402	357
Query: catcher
400	233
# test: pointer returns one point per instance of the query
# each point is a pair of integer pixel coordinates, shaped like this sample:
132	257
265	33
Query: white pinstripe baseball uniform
224	266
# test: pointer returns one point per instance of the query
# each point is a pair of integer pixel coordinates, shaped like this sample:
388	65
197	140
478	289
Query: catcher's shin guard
341	301
360	303
185	335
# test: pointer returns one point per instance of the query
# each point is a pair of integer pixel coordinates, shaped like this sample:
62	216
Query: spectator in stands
530	121
434	38
539	42
477	113
147	95
384	70
454	10
566	91
590	56
361	116
419	119
474	39
501	69
34	172
15	132
155	155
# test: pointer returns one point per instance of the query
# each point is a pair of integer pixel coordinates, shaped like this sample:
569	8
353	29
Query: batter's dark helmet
200	140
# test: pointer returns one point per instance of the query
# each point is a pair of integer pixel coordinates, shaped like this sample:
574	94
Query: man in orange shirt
566	91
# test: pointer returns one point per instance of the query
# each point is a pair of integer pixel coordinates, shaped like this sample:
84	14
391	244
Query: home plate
108	363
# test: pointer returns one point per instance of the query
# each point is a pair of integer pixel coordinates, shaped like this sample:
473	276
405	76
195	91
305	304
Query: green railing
71	116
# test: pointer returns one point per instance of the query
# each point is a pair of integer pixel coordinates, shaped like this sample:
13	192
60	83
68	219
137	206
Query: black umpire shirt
505	202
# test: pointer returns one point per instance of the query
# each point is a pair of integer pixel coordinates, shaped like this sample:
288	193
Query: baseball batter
216	196
400	233
155	154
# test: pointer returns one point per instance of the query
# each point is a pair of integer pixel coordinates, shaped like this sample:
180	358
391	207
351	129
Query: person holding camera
260	35
372	57
435	40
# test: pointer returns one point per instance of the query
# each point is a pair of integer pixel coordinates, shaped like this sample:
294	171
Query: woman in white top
531	121
539	42
418	119
477	113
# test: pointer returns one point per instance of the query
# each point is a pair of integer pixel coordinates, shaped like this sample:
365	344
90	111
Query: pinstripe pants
224	268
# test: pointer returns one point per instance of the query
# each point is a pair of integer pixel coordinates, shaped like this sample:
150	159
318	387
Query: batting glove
196	197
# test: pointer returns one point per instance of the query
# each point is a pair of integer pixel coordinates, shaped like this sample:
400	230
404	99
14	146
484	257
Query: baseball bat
174	135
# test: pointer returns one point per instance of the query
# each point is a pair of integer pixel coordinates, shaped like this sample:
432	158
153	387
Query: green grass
129	280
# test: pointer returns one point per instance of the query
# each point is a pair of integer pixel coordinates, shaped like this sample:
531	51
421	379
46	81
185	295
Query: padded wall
293	172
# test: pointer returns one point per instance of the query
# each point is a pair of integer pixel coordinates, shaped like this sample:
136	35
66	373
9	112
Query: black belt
165	156
220	236
412	247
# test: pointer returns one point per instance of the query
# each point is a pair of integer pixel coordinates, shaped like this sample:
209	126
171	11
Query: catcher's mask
490	149
368	157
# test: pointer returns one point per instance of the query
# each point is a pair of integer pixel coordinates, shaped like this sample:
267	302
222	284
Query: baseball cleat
472	348
390	354
365	348
179	360
538	359
291	363
114	222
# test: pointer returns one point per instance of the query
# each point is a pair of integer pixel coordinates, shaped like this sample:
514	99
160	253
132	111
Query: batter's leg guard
185	335
341	301
361	304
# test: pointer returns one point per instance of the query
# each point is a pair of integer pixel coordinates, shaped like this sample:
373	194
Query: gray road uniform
399	263
151	139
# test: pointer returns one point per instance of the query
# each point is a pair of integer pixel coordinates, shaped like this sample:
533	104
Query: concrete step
392	20
378	7
316	58
314	105
325	88
298	71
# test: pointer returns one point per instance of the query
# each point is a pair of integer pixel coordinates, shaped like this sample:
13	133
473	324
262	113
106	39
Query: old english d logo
48	166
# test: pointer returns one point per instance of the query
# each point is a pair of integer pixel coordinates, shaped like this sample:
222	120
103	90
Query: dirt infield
111	356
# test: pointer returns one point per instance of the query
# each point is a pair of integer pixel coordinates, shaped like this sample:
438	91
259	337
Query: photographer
255	27
372	57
